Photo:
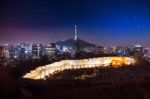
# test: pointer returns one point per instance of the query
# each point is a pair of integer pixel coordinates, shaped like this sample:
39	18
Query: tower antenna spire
75	33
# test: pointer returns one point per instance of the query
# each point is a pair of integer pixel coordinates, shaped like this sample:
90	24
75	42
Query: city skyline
105	22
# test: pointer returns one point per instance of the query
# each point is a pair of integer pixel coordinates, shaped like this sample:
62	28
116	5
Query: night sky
104	22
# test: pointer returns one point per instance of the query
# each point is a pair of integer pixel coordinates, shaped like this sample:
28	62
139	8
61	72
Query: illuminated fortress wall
43	71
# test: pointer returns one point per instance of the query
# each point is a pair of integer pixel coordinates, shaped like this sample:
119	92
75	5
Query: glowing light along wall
43	71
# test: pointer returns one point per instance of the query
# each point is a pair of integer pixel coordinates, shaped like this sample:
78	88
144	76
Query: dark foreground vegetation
132	82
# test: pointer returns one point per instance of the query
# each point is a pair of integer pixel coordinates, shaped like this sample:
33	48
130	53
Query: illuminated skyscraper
23	51
36	52
50	50
7	51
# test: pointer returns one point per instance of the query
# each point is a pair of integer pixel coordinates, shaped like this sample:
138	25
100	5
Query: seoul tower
75	33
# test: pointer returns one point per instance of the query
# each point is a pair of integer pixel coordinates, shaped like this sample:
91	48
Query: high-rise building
138	51
50	50
7	49
36	51
26	46
146	54
23	51
17	53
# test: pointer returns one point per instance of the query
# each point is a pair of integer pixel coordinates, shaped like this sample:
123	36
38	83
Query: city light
44	71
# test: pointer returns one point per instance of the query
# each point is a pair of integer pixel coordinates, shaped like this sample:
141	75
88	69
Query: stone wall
43	71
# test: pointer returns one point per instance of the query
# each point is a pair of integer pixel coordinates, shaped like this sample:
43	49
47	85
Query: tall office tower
36	51
6	51
23	51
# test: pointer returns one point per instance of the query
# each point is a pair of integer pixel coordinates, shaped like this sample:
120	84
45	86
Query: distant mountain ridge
72	43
